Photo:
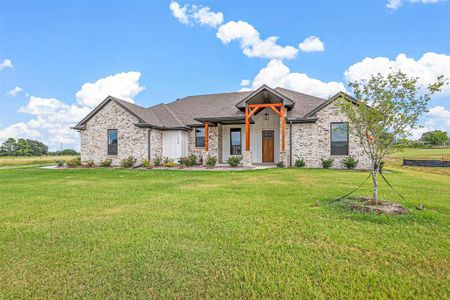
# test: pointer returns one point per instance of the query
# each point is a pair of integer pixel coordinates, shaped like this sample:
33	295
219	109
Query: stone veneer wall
132	139
215	143
156	144
311	141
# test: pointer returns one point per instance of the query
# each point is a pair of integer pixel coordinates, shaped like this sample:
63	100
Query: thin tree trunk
375	185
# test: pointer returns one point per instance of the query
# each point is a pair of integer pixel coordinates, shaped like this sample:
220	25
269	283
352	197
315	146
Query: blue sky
58	59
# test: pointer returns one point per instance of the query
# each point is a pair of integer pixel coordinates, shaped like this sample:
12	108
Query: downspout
290	144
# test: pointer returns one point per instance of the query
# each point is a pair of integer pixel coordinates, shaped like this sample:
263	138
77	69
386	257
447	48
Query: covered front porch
258	135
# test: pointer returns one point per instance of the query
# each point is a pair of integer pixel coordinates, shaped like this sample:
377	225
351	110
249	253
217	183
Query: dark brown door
267	146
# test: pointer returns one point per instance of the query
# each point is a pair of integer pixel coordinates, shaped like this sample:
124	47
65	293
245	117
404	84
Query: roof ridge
282	88
172	113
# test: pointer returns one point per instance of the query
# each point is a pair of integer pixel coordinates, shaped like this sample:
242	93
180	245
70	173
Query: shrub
170	164
188	161
106	163
327	163
193	159
350	162
299	163
89	163
167	160
60	163
280	164
157	161
234	160
211	161
146	163
74	162
128	162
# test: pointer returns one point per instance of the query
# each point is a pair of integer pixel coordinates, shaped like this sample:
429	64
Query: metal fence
426	163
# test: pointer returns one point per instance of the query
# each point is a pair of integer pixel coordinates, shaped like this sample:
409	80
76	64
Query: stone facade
215	143
312	141
132	140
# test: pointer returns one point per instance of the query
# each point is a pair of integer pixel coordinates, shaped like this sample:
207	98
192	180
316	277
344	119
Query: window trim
195	136
235	129
107	142
331	139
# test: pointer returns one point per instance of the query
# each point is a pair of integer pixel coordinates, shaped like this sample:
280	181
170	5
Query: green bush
106	163
146	163
170	164
157	161
89	163
280	164
128	162
299	163
211	161
327	163
188	161
74	162
350	162
60	163
234	160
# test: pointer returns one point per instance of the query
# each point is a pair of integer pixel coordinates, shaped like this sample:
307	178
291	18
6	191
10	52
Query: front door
267	146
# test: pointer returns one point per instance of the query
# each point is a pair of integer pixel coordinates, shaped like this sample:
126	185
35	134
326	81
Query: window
200	137
112	141
235	141
339	138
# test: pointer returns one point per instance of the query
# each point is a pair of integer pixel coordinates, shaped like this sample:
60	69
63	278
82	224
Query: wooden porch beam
247	129
265	105
276	111
254	111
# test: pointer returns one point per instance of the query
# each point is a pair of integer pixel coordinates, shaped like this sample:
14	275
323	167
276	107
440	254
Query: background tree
388	107
435	138
23	147
8	148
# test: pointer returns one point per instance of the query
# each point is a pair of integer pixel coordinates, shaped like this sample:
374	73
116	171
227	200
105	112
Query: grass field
30	160
97	233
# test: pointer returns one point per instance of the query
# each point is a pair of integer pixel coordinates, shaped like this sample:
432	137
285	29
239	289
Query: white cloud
206	17
395	4
245	82
277	74
6	64
427	68
188	14
179	12
123	85
52	118
312	44
15	91
437	118
19	130
251	43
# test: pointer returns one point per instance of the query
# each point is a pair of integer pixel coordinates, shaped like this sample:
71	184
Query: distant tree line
27	147
427	140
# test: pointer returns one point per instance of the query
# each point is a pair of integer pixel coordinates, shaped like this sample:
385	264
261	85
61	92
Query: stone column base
284	158
247	159
205	155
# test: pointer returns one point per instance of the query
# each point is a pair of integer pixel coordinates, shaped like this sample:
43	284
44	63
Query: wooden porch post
247	129
283	129
206	136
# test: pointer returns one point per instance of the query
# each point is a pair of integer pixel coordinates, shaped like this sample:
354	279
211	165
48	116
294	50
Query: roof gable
286	100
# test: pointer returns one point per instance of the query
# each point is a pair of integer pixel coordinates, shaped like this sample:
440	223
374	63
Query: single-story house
267	125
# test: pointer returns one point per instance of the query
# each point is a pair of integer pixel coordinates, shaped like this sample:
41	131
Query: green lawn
97	233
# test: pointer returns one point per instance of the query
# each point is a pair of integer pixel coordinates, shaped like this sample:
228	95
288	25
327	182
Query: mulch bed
366	205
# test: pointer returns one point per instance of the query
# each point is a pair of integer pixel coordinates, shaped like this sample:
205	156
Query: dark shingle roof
186	111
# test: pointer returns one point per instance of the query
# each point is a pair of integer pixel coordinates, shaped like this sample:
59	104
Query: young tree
435	137
388	107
